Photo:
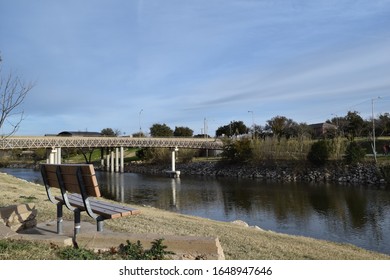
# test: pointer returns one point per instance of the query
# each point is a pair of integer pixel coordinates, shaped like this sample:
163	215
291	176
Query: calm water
351	214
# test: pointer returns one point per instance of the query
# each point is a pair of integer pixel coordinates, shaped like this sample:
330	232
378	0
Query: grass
238	243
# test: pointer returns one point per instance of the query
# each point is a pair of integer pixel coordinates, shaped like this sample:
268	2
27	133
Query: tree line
351	125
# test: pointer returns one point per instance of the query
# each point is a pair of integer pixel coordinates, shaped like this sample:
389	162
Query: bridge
114	158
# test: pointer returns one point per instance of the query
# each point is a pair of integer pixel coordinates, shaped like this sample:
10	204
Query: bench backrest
71	175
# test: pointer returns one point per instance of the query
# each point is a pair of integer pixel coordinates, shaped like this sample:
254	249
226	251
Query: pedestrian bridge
112	148
35	142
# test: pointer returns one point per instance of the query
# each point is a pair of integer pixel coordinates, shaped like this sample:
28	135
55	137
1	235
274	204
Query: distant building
80	134
320	129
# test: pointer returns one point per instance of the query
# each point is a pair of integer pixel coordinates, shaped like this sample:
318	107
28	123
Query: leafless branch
13	92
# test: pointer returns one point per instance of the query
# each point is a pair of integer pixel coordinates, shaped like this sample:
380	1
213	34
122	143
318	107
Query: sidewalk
184	247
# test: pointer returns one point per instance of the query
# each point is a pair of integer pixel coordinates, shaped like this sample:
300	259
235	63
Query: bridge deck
34	142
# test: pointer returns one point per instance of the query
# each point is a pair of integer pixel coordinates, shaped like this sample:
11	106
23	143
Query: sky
201	64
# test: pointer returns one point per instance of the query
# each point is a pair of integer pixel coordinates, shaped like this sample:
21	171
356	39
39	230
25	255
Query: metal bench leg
100	224
76	226
59	219
76	221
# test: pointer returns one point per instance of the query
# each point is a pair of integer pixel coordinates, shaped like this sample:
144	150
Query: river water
359	215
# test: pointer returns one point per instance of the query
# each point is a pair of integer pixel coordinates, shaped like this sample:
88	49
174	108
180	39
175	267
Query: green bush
128	251
319	153
354	153
71	253
238	150
135	251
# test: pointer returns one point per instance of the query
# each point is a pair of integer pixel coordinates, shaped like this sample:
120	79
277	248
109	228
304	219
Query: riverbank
237	241
284	171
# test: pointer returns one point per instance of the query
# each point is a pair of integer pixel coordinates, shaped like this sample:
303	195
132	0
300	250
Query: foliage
128	251
161	130
72	253
354	153
135	251
138	134
237	150
182	131
355	125
319	153
110	132
24	250
234	128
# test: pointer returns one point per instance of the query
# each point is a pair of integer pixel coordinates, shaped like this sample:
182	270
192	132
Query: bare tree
13	91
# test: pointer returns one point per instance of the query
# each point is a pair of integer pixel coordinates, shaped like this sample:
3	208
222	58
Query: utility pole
373	128
139	120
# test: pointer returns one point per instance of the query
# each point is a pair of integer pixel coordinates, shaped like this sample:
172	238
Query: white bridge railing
34	142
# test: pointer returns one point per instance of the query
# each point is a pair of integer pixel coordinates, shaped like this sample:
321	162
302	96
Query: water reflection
339	213
357	215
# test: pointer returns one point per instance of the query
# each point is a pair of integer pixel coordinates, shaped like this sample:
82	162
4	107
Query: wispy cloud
182	61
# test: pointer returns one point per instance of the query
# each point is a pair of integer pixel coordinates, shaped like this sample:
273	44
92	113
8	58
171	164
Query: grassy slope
237	242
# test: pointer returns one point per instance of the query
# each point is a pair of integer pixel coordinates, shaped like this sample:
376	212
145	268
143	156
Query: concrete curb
184	247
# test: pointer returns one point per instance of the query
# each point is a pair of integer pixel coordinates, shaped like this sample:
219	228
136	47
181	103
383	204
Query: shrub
238	150
135	251
354	153
319	153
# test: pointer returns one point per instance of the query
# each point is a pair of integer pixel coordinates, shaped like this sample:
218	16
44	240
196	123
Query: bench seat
106	209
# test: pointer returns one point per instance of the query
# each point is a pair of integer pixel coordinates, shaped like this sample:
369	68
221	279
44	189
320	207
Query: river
359	215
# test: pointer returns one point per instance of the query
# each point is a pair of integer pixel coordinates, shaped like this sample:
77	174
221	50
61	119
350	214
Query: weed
71	253
135	251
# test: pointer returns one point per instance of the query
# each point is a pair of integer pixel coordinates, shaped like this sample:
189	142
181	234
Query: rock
18	217
240	223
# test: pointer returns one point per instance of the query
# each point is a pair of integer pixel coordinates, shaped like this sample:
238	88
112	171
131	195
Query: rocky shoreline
363	173
368	173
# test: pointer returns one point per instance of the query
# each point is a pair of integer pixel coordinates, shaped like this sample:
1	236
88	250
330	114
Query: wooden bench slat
97	210
103	208
123	210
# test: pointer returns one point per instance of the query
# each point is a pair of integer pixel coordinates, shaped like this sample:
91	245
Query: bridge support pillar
112	156
108	160
116	160
53	156
174	173
122	160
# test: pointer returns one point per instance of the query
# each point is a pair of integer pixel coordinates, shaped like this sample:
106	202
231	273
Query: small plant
135	251
71	253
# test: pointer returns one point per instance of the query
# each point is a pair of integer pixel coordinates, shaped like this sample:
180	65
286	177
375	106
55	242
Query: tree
110	132
161	130
13	91
383	125
234	128
282	126
182	131
355	124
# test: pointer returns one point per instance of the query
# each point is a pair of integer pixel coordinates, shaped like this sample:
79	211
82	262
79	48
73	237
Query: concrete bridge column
116	160
122	160
102	157
173	173
58	154
53	156
108	160
112	156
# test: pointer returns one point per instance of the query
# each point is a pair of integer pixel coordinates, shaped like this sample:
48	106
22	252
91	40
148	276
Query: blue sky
125	64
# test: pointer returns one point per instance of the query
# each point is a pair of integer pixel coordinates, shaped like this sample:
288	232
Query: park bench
79	188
